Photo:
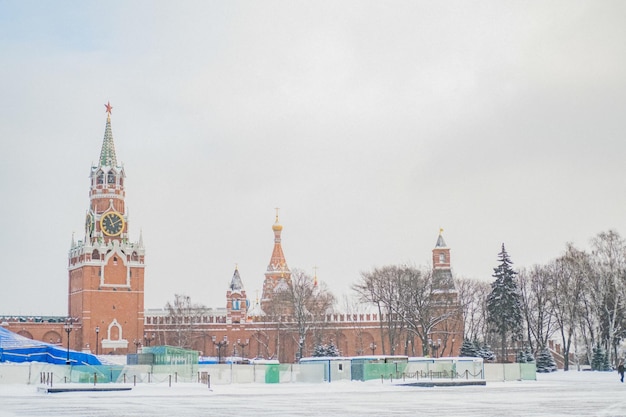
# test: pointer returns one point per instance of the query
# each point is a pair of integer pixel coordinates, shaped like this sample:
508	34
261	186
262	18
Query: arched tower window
111	177
442	257
100	177
95	254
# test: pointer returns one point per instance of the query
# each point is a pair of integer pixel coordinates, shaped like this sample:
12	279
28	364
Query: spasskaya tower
106	269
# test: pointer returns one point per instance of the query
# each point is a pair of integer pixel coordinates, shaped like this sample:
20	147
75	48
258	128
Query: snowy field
557	394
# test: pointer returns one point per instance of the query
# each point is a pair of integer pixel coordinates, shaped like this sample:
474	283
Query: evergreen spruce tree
545	361
596	359
504	304
319	350
478	348
332	350
469	349
486	353
600	360
525	356
326	350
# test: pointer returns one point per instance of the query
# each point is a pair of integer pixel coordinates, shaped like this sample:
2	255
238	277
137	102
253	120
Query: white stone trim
120	343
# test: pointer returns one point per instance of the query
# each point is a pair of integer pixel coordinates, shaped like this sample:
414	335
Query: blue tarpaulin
16	348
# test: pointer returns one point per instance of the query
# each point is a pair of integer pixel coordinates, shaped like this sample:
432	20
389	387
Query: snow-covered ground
557	394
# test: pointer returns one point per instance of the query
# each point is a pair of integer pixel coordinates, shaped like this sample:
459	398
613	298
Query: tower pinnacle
440	242
277	271
277	227
107	154
277	261
441	265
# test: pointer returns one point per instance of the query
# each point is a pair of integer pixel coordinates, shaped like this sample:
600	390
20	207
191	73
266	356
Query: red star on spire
109	107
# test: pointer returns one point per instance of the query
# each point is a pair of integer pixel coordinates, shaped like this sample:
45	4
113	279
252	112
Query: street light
434	345
243	346
220	345
373	347
97	333
137	343
68	326
147	340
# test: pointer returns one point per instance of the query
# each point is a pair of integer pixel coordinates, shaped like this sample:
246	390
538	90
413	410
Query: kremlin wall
106	312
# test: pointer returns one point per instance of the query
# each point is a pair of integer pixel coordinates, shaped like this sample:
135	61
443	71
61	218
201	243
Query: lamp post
68	326
373	347
147	340
220	345
97	333
137	343
243	345
434	345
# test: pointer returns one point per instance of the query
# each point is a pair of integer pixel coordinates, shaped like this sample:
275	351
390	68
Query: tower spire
277	261
277	271
236	285
107	154
440	242
442	273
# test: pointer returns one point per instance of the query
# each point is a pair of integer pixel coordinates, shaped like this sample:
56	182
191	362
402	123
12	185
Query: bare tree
410	300
183	316
589	319
609	263
353	308
278	312
427	310
381	287
472	297
311	302
570	272
299	308
537	304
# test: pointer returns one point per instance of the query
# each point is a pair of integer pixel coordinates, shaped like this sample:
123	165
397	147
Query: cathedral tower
278	275
106	270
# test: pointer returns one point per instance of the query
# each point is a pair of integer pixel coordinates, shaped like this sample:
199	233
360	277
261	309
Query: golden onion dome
277	227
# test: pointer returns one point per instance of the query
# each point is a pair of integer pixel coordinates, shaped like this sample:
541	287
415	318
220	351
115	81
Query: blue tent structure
16	348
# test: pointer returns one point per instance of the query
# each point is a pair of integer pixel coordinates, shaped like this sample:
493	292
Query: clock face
112	223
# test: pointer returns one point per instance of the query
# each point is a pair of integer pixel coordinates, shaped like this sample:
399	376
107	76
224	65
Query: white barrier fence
39	372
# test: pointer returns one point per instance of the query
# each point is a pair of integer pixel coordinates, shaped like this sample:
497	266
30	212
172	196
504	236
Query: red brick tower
236	301
106	270
447	336
278	275
441	264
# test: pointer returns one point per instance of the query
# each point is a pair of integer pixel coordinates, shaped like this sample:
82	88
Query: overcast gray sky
371	124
